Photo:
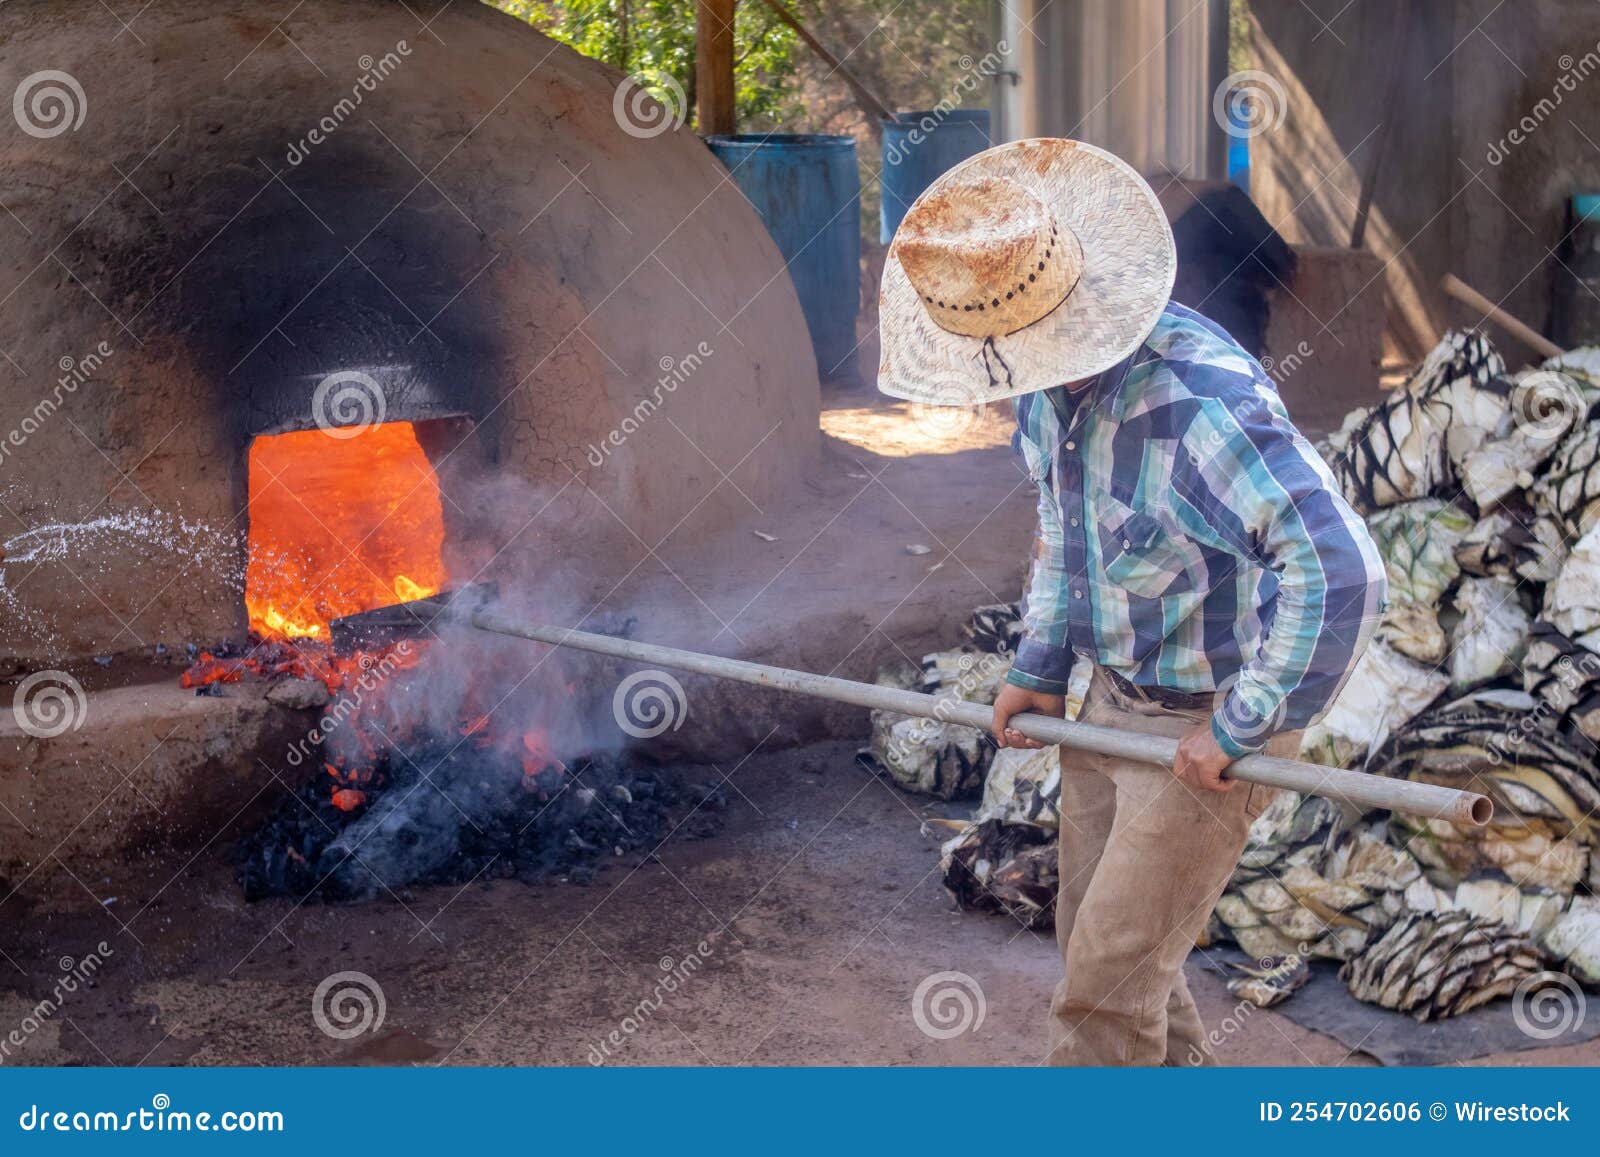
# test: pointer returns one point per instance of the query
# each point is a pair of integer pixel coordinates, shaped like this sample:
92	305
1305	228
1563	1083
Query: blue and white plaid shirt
1190	538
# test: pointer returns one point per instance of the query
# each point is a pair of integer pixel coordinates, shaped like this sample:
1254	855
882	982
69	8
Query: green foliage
914	54
657	36
1238	35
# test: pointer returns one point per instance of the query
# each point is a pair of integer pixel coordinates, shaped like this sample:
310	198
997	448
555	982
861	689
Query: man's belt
1201	701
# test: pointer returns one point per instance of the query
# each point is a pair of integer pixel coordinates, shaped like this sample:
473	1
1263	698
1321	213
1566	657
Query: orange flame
407	590
339	526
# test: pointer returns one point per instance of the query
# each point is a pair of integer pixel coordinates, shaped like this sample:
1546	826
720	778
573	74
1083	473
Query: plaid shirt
1190	538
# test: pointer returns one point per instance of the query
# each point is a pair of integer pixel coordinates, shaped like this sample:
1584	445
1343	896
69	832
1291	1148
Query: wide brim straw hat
1027	266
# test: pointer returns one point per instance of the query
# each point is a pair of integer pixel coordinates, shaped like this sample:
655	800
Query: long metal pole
1361	789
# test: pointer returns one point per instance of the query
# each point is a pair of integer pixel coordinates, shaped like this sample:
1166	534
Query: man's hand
1014	700
1200	762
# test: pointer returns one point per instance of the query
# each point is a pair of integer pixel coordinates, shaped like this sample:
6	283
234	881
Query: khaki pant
1144	859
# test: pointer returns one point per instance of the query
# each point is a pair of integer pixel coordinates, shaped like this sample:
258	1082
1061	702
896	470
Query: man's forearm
1044	660
1041	667
1302	665
1262	495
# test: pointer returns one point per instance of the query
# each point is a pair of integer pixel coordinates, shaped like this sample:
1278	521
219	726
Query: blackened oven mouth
408	774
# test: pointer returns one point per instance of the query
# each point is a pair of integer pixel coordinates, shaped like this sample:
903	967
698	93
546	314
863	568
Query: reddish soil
819	901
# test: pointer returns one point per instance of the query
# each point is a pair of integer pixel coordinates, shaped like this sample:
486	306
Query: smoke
455	729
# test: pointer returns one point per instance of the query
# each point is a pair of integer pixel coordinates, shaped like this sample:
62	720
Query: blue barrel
1238	143
920	146
808	192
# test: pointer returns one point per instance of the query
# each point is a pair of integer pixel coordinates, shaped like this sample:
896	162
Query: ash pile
1482	489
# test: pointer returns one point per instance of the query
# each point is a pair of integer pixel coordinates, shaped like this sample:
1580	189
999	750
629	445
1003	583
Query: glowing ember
273	659
347	799
537	756
339	526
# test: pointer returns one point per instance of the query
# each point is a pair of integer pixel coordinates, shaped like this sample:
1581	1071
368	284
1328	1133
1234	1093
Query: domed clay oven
237	233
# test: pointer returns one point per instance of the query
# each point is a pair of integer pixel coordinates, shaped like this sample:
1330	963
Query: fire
339	526
407	590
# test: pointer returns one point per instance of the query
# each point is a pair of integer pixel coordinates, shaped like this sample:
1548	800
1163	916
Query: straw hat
1029	265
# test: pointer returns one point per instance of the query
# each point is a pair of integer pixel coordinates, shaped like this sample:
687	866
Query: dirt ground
818	905
797	935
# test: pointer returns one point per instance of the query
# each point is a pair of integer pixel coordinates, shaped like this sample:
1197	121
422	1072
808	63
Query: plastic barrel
808	192
917	148
1238	144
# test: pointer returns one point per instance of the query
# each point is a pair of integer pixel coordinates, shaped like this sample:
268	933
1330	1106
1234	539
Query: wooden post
713	63
1515	326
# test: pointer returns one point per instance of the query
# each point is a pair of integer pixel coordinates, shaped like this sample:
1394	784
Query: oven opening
339	525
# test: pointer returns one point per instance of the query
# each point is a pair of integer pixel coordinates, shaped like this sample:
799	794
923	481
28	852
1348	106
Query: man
1192	545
